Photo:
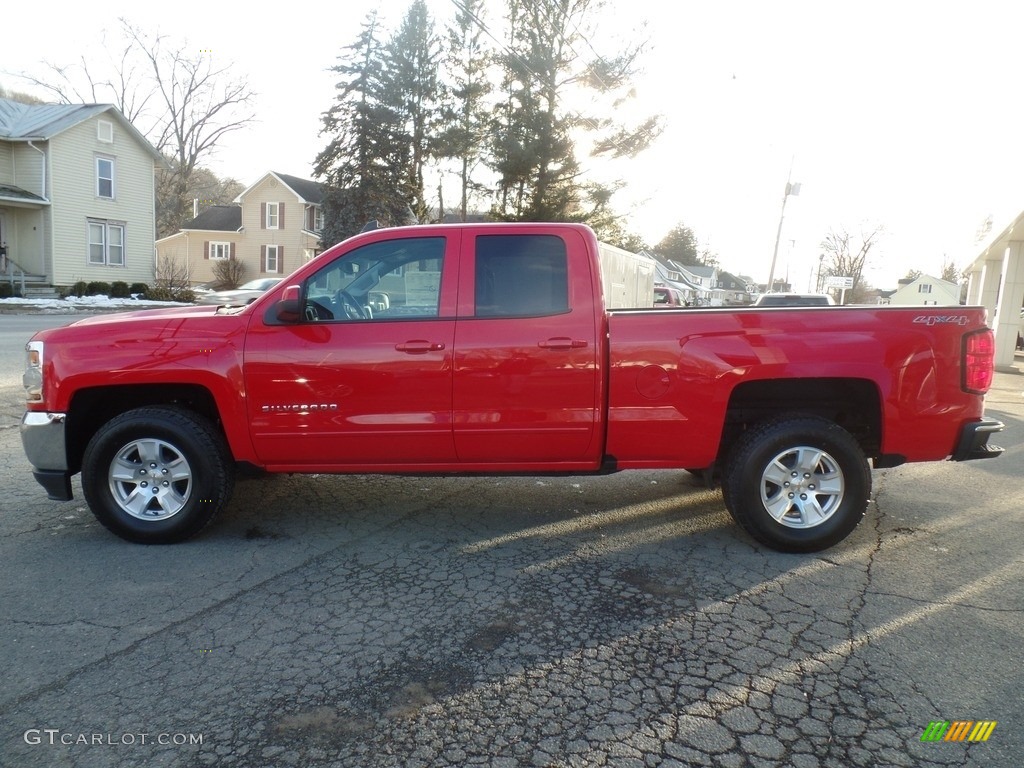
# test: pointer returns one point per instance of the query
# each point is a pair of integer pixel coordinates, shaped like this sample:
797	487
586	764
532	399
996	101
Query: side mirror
287	308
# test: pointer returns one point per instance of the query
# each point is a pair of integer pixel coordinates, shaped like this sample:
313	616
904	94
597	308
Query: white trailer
628	278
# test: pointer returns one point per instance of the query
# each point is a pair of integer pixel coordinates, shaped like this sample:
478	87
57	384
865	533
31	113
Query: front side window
105	177
394	279
106	243
220	251
273	215
521	276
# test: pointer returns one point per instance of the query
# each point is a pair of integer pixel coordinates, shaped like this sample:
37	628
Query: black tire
189	458
797	483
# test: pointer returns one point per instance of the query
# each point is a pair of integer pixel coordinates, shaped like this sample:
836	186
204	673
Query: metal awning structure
996	282
16	197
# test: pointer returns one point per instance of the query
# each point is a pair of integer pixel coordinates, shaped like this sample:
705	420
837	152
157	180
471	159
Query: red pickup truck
489	349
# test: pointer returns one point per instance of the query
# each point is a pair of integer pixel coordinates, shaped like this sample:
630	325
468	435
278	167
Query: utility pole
791	189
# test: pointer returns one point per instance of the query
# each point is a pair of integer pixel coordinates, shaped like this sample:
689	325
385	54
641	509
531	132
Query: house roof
665	266
738	283
699	270
310	191
217	218
27	122
307	191
929	279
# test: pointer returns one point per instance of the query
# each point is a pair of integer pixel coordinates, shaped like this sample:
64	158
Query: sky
898	117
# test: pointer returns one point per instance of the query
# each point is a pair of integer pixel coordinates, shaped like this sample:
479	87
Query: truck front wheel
156	475
797	483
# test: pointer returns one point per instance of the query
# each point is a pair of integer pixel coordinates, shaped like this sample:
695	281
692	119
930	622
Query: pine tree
363	163
466	98
534	152
411	90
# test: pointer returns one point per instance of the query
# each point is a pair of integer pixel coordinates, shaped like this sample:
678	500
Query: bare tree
21	98
108	80
200	104
171	281
846	256
229	272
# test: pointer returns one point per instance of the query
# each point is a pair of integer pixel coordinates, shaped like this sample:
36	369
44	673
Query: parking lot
607	621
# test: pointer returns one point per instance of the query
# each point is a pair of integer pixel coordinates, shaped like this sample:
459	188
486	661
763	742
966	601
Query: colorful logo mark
958	730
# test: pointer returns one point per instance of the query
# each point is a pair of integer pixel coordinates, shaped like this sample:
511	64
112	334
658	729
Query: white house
925	290
77	195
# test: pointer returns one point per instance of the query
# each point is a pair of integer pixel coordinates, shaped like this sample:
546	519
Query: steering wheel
315	311
349	306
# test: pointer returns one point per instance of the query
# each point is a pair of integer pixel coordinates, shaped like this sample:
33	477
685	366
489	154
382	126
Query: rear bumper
973	442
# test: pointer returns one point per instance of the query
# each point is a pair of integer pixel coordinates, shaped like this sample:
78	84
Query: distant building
925	290
731	290
272	228
669	273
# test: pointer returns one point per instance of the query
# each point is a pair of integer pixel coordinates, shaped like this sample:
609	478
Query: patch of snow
77	303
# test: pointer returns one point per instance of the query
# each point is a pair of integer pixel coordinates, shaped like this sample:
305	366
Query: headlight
32	379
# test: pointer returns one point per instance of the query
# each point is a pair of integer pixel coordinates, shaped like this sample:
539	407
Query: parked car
209	287
665	297
246	293
794	300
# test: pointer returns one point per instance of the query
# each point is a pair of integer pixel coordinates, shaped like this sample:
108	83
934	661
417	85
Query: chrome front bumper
42	435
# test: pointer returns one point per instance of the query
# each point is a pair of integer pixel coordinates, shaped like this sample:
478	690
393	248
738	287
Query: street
620	620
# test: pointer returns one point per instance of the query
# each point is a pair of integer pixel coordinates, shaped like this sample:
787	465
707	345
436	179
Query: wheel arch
93	407
853	404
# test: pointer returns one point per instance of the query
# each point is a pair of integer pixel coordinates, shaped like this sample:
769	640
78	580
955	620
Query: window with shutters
272	262
273	216
220	251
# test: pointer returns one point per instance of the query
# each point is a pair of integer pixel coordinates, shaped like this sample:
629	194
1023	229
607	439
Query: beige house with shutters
77	195
272	228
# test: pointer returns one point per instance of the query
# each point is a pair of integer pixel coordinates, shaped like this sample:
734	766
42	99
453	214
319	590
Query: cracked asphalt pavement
606	621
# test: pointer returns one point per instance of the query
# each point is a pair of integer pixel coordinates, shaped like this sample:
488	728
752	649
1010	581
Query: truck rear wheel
797	483
156	475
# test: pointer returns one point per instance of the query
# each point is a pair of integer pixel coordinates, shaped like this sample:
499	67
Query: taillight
979	361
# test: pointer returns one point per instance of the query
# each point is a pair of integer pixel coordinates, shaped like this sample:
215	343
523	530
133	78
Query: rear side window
521	276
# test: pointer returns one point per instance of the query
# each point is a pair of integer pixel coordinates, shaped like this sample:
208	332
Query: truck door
364	378
527	387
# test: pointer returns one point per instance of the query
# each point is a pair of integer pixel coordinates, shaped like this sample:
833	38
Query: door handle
419	346
562	342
